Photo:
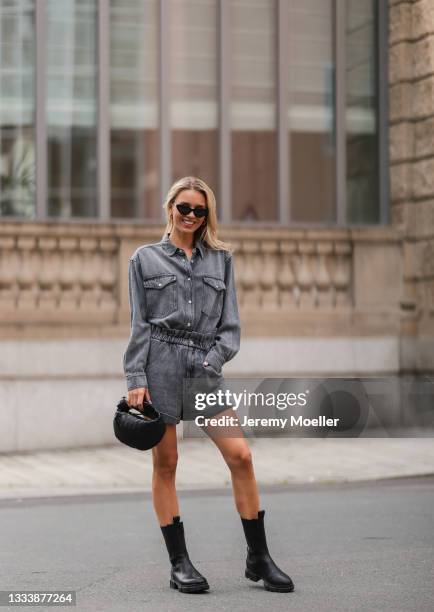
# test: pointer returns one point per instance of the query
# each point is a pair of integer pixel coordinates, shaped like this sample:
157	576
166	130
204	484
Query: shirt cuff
136	381
215	360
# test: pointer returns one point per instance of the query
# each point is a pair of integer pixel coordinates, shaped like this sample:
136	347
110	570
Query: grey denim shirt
171	291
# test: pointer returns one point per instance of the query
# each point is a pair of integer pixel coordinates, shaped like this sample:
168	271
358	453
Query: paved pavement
350	546
118	468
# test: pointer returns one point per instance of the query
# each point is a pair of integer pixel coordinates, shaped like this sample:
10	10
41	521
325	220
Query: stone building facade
356	301
411	93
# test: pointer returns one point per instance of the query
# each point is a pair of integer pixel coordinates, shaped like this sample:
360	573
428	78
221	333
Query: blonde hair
207	232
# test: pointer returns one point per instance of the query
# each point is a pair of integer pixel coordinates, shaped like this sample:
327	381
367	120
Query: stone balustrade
294	272
69	275
323	302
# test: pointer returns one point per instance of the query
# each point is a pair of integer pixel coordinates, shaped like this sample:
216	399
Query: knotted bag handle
147	410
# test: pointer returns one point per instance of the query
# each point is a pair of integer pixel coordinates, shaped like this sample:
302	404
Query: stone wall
318	302
411	91
323	302
70	280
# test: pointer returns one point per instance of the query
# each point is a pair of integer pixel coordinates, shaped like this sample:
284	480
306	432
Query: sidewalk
118	468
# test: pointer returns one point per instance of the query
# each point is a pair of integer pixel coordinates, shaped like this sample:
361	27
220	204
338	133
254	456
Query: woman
185	324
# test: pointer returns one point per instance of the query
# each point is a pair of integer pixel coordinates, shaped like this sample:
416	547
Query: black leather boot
259	563
183	575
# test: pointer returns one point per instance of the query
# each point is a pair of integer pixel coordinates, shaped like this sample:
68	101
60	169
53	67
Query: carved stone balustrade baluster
9	265
323	281
286	277
341	276
251	275
27	275
107	277
89	277
48	274
304	275
71	269
268	276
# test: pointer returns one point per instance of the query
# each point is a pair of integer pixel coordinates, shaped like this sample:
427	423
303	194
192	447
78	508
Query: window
193	89
361	116
310	111
71	108
253	112
17	107
134	114
277	104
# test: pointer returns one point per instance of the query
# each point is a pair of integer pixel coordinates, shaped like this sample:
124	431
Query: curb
73	494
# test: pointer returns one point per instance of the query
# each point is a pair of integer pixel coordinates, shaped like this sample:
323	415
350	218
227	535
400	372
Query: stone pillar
411	115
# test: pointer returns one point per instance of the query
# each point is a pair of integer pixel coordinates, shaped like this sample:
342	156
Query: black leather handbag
141	431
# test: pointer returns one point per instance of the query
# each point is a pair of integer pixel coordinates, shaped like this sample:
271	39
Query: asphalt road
366	546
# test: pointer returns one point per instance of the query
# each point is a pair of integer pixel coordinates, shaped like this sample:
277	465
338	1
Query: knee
241	460
165	465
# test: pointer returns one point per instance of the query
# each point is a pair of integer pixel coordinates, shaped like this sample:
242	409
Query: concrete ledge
94	357
61	394
62	413
316	356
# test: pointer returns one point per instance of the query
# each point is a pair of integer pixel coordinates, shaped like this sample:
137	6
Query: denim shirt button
188	324
189	301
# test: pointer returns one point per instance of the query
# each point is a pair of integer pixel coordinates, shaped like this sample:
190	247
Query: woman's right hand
135	397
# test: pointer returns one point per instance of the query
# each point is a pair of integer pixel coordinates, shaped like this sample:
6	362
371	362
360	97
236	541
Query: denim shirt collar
172	248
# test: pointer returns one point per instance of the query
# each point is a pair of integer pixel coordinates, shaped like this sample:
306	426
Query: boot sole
267	586
194	588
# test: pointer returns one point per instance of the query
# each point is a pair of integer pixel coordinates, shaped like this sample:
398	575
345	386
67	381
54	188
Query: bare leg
165	459
259	564
183	575
237	454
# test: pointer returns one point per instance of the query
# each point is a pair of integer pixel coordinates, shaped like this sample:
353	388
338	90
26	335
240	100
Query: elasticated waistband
183	336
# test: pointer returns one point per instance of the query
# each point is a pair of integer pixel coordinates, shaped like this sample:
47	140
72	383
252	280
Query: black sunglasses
185	209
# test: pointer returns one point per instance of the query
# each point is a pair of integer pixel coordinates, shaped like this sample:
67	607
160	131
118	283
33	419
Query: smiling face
188	224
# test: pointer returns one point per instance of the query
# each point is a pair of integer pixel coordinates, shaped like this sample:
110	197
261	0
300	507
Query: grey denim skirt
175	373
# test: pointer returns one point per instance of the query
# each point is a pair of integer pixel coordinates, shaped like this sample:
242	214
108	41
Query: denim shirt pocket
161	295
213	291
